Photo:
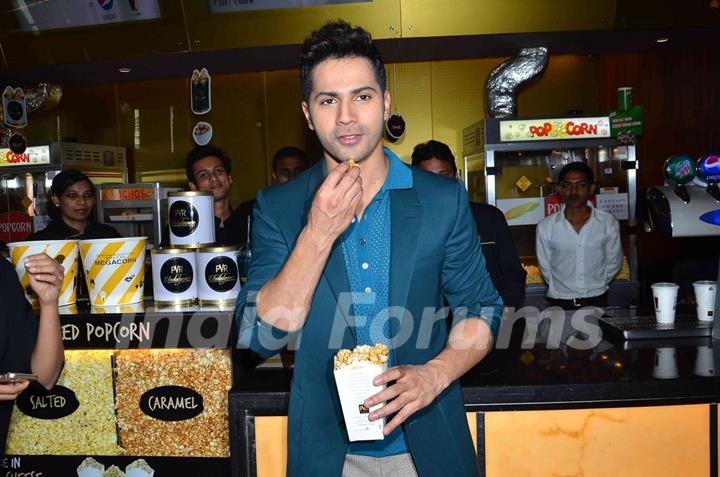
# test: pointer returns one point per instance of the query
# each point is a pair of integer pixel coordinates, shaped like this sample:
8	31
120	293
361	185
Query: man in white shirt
578	248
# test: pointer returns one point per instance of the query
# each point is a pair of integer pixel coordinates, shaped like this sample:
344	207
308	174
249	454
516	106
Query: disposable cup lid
665	285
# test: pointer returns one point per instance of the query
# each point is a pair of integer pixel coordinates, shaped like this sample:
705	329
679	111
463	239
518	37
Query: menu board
40	16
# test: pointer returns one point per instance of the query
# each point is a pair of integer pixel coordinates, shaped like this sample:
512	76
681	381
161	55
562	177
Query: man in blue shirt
397	241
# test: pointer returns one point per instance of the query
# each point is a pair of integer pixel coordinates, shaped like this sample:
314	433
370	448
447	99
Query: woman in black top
26	343
72	197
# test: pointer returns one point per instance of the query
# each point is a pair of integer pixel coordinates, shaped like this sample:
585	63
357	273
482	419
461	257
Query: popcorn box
89	467
354	374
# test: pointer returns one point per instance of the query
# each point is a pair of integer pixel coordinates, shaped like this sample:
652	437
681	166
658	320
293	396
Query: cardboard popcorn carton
354	374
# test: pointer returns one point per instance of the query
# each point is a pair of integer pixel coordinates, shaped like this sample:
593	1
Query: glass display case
135	210
25	180
521	160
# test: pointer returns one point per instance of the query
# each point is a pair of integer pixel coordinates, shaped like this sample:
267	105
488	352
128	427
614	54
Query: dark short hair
289	151
201	152
67	178
577	167
427	150
337	40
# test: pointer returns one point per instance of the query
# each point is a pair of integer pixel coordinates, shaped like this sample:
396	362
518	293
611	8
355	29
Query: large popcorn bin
140	395
114	270
173	402
78	414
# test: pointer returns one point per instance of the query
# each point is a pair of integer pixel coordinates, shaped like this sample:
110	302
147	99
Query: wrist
48	304
442	374
321	242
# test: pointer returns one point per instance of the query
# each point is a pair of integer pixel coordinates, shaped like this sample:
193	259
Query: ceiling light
124	69
662	39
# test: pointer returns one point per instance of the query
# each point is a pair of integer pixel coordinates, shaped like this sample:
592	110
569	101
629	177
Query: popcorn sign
554	129
33	156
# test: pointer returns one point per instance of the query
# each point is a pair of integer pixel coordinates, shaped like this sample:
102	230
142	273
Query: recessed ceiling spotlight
662	39
124	69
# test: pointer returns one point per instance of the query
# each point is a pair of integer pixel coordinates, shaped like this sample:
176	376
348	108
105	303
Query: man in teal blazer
347	255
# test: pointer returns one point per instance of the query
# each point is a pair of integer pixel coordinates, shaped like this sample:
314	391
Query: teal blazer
435	255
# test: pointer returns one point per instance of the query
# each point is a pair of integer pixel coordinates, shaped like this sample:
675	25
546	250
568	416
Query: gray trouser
391	466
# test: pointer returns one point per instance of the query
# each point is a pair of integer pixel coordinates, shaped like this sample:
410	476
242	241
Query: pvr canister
174	276
219	282
191	219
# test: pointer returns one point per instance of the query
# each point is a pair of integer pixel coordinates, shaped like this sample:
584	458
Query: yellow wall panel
458	98
271	445
645	441
423	18
410	86
284	26
285	124
238	115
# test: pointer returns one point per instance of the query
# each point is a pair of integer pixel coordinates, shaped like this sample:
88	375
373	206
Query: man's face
438	166
347	109
575	189
287	168
211	176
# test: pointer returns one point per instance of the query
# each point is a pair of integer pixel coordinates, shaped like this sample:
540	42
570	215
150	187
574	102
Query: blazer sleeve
466	283
269	253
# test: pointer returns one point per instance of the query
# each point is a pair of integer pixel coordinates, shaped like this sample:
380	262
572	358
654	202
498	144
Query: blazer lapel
335	273
406	214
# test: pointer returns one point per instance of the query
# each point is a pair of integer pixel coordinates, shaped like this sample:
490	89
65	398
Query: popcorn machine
25	180
514	165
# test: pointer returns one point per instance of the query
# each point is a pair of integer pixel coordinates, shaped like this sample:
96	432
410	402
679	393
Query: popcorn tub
354	374
114	270
63	251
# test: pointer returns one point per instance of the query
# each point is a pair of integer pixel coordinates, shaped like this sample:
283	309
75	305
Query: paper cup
705	296
65	252
114	270
704	362
355	384
665	366
665	298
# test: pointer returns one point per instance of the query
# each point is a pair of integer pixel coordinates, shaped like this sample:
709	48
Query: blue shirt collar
399	175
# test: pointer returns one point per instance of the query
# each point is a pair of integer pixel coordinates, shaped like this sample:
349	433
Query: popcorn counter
144	392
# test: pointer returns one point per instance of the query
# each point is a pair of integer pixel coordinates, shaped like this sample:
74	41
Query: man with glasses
578	248
208	170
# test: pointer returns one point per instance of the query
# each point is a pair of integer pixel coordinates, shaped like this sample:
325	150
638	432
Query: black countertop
555	373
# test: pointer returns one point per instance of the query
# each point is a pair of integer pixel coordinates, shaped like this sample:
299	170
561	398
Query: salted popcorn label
354	374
